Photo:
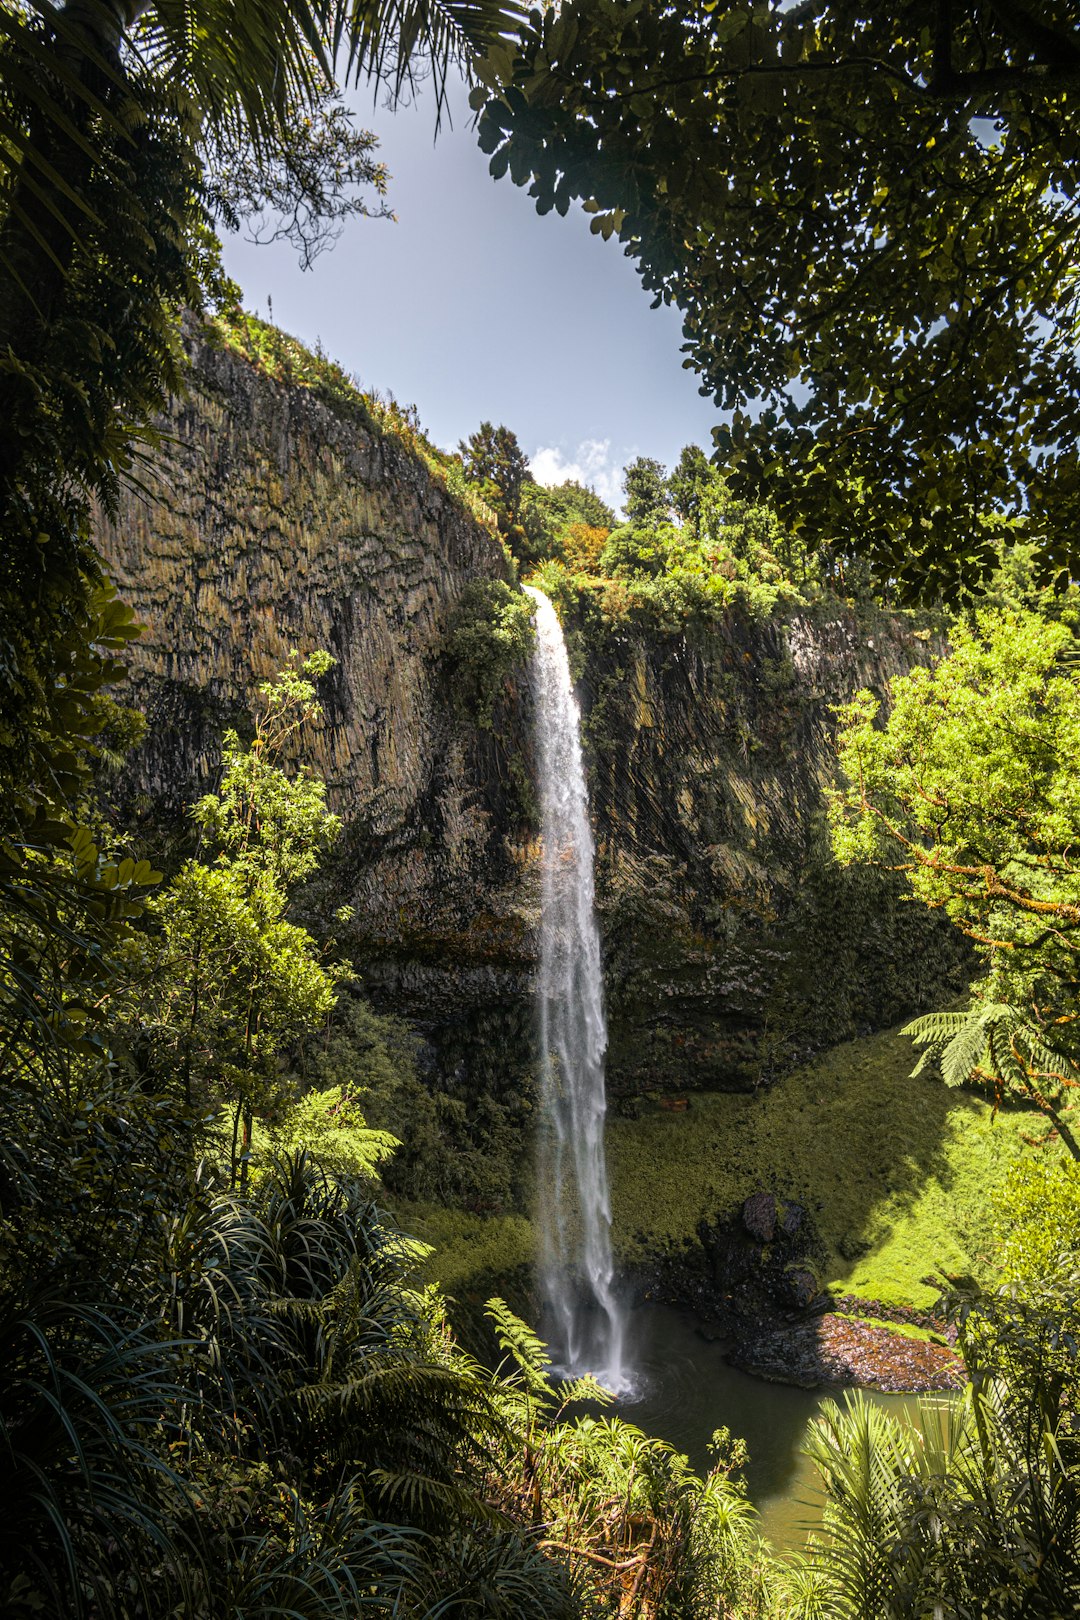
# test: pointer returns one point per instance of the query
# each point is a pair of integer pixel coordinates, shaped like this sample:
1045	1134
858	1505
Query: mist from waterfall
585	1327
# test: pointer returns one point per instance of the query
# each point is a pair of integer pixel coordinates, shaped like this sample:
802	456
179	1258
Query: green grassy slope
898	1173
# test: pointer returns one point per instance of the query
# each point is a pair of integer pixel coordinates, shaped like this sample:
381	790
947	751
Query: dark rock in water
762	1261
765	1303
759	1216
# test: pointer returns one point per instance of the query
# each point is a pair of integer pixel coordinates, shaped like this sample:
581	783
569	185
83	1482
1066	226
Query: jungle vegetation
224	1389
688	550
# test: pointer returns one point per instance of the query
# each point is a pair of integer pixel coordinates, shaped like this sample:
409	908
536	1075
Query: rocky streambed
754	1288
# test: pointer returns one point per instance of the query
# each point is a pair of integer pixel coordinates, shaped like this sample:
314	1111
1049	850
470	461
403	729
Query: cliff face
274	521
271	521
735	945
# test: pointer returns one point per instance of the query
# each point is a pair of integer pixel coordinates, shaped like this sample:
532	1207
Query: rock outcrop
270	521
274	520
735	945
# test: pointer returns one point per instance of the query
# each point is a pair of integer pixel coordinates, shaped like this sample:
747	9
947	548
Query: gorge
463	927
734	946
283	511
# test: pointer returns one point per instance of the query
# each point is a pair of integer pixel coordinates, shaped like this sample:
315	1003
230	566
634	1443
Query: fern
526	1349
934	1030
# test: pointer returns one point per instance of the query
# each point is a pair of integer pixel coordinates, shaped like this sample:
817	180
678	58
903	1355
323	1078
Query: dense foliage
688	553
969	788
980	1512
225	1390
220	1376
489	639
868	219
535	520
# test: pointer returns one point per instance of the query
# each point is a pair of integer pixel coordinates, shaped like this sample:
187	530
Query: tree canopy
969	787
868	217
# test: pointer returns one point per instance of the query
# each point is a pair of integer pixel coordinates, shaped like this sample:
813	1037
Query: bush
490	637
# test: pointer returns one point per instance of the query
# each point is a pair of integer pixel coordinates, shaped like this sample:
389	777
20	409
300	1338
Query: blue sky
472	307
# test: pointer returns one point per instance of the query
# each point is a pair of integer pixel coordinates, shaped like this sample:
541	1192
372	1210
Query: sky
474	308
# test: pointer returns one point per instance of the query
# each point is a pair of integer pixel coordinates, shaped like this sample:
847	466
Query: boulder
759	1216
797	1287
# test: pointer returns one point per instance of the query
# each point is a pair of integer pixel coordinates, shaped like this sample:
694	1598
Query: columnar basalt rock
734	944
271	520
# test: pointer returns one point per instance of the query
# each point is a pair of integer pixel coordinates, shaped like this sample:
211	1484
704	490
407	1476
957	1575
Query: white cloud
591	463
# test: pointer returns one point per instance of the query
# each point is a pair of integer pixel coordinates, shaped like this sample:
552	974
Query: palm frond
388	39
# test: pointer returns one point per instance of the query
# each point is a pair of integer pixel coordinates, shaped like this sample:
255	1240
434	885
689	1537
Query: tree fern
958	1041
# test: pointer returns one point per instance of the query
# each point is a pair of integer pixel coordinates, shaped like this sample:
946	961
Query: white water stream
585	1326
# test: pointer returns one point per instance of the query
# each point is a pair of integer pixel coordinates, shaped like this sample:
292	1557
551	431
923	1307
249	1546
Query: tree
869	219
303	189
692	476
582	545
648	500
969	788
493	458
550	512
245	71
230	983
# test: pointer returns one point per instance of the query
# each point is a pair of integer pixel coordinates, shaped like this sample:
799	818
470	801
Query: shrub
490	637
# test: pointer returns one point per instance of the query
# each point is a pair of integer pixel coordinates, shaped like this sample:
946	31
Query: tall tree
869	218
229	980
493	457
648	500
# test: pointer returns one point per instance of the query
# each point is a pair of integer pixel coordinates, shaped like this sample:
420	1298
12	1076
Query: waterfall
573	1212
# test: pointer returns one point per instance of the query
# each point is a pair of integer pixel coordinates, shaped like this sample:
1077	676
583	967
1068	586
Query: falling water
574	1215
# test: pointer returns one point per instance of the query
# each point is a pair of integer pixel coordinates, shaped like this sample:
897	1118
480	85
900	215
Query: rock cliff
273	518
268	521
735	945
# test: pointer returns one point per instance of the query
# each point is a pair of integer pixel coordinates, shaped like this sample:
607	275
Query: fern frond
526	1349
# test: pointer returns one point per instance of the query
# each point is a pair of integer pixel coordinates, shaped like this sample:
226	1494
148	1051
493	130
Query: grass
906	1330
897	1172
470	1251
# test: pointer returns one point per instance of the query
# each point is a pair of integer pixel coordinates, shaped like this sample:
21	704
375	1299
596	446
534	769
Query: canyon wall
734	944
274	519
